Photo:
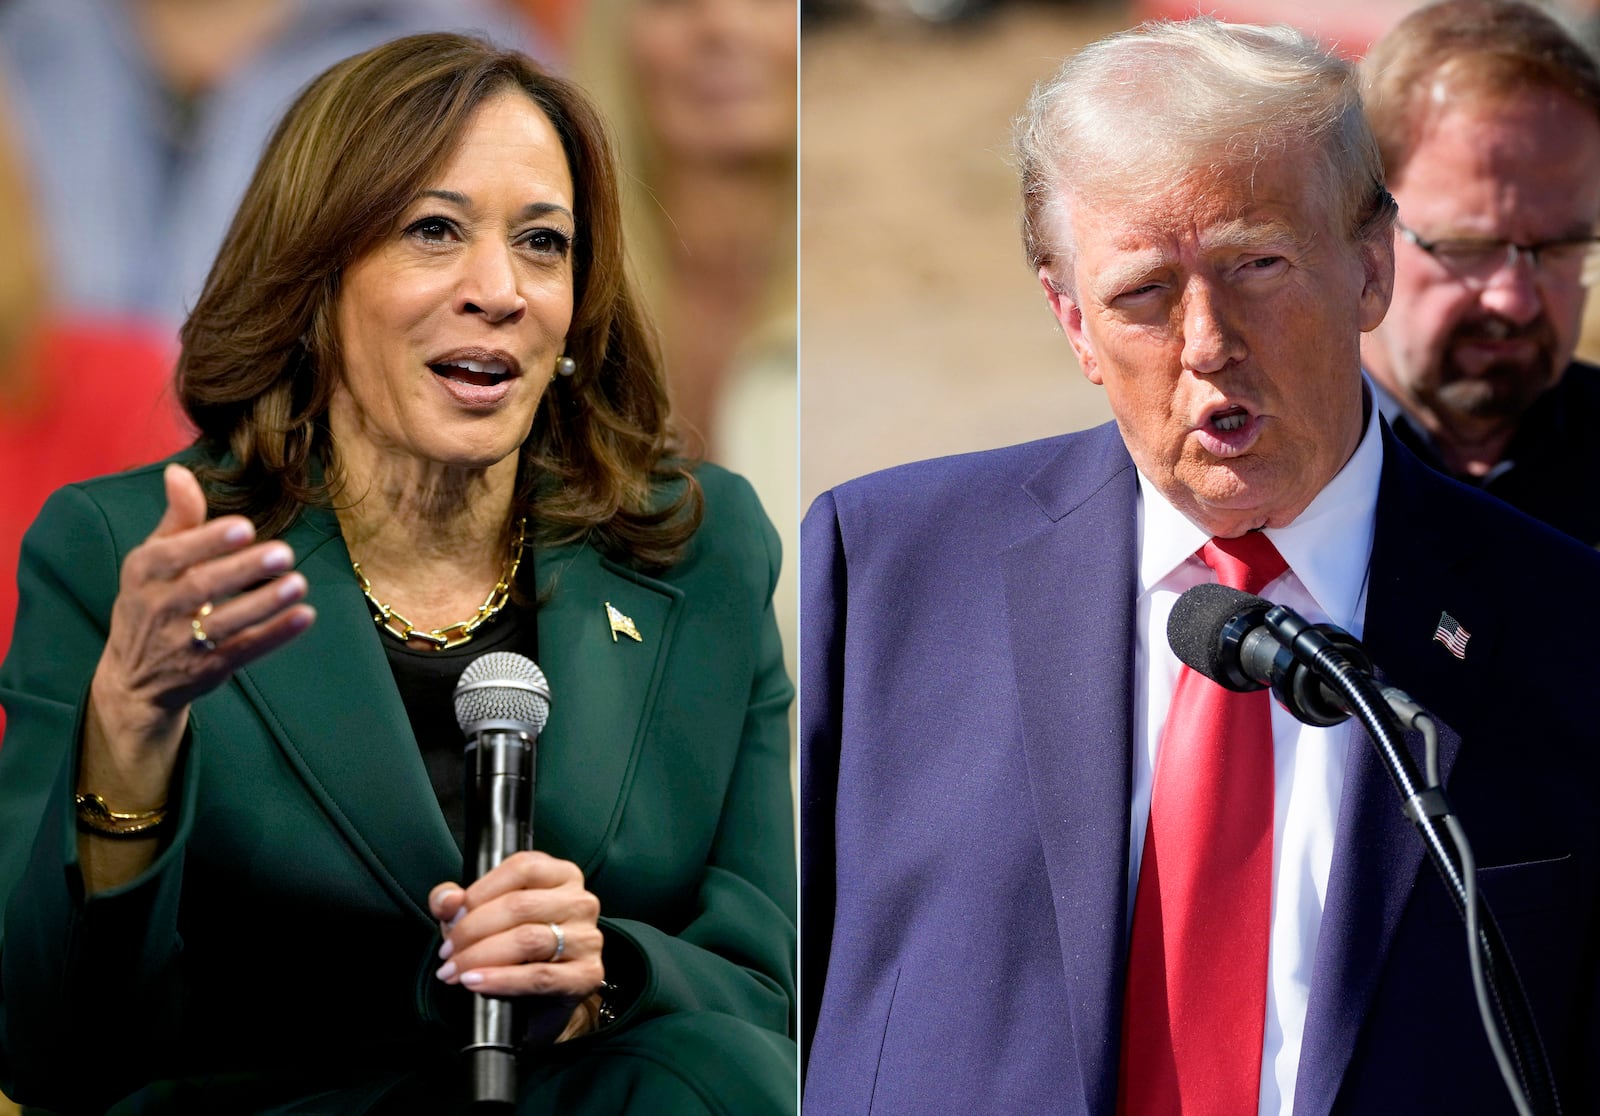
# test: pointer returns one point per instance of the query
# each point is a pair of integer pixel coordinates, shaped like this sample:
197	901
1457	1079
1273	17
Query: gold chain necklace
451	635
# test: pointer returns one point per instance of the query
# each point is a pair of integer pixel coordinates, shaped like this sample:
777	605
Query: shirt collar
1388	406
1327	546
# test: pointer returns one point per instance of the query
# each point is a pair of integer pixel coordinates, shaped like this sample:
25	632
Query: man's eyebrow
1252	235
1576	230
1123	273
534	209
1134	266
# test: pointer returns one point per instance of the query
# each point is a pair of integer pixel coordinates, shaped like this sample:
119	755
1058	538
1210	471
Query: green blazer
282	937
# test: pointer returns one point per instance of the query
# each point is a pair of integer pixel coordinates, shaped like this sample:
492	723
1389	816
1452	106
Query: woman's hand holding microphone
528	927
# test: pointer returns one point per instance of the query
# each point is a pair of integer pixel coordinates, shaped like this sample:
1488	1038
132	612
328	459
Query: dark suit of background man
1488	119
987	680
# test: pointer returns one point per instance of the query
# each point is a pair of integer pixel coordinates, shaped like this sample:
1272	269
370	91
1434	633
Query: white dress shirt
1327	548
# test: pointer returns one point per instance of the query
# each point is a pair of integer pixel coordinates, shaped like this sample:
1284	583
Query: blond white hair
1143	110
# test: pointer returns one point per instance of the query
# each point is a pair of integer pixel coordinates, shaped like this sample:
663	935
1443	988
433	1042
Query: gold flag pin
622	624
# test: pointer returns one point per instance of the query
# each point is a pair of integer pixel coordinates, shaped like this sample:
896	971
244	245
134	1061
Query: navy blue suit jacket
967	722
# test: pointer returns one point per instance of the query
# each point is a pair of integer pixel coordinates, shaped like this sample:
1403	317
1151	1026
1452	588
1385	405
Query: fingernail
457	917
472	980
291	587
277	558
446	950
446	971
238	533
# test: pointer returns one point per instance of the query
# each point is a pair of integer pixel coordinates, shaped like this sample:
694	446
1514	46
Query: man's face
1467	356
1223	319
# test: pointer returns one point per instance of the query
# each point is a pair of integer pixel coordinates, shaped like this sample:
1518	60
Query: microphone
502	703
1322	675
1244	643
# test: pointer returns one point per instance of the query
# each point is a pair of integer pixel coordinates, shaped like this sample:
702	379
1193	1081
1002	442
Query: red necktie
1197	969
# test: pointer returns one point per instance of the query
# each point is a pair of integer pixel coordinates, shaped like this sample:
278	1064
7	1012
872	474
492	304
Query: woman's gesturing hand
529	927
198	599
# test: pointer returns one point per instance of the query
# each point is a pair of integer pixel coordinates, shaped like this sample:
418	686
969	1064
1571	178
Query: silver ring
561	940
197	635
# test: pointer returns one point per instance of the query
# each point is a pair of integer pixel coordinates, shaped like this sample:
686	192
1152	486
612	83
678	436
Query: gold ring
197	634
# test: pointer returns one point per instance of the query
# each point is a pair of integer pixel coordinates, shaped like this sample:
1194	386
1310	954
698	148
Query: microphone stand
1533	1088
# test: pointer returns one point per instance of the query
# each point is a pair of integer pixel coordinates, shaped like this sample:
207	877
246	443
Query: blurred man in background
1488	119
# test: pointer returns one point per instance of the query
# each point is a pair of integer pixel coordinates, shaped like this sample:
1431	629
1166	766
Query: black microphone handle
1296	685
500	822
1222	633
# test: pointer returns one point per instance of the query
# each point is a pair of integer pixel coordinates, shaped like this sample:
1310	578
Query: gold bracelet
94	816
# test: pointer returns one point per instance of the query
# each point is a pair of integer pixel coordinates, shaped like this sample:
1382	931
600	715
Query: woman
703	93
425	397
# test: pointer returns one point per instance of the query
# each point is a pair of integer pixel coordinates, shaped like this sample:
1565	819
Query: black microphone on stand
502	702
1223	633
1322	675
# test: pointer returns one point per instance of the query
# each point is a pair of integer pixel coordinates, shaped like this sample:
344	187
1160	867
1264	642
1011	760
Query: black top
427	682
1551	467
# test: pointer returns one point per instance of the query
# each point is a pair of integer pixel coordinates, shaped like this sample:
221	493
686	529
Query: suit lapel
603	689
330	701
1070	594
1415	574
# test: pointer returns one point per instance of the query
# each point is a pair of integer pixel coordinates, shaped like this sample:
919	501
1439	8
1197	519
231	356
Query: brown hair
600	60
261	354
1486	48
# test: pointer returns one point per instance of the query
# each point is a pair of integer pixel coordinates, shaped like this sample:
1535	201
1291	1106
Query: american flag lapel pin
621	624
1452	635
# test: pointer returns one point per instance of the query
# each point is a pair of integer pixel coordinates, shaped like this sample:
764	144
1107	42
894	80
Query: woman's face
450	327
715	78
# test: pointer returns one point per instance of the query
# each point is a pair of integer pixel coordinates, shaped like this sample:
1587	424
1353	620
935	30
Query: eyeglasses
1475	262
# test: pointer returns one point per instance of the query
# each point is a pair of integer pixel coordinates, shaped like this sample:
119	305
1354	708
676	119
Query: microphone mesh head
1194	628
502	686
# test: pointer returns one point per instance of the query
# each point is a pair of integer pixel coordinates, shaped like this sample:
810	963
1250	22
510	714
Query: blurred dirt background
922	330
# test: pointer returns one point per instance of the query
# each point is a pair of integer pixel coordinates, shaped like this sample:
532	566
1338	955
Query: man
1006	908
1488	119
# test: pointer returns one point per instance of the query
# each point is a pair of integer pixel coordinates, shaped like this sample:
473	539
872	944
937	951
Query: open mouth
1231	419
1228	431
477	373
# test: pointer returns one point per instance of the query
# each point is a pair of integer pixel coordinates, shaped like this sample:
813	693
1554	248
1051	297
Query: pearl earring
565	366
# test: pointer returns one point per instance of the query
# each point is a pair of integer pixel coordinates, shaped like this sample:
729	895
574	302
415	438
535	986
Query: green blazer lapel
603	689
329	701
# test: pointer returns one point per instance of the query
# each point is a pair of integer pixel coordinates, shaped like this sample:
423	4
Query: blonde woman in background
702	93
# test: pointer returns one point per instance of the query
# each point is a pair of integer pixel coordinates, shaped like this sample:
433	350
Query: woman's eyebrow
534	209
